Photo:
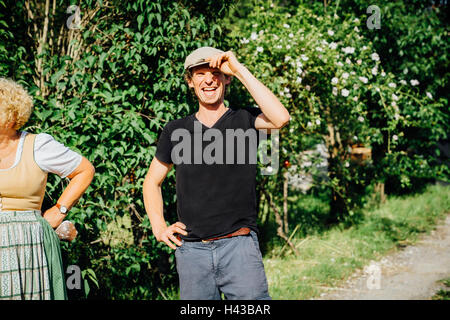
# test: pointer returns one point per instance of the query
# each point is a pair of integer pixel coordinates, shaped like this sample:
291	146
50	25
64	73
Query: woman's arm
80	179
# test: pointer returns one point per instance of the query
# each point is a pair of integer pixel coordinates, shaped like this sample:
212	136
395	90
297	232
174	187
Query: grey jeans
232	266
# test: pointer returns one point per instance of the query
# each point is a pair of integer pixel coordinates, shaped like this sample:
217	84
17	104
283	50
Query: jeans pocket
255	242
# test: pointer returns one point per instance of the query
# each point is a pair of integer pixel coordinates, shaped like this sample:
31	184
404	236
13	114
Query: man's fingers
180	225
166	240
181	231
175	240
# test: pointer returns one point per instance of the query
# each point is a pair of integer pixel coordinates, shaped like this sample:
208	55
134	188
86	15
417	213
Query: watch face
63	209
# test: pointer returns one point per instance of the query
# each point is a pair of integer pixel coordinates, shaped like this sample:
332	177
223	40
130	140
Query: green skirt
31	266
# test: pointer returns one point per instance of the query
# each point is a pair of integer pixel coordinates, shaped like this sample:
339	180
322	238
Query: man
218	249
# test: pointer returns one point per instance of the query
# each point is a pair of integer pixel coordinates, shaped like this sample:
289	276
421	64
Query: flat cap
198	56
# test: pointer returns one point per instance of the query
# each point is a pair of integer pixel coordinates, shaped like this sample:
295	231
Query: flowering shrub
332	81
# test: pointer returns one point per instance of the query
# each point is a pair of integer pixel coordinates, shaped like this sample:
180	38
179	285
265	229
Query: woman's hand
168	234
54	217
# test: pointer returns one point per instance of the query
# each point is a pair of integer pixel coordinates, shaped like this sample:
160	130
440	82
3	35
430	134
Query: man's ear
190	83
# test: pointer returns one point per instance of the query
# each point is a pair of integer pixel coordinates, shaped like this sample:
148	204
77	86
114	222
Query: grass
443	294
327	258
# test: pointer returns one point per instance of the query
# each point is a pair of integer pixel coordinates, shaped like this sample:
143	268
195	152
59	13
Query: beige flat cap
198	56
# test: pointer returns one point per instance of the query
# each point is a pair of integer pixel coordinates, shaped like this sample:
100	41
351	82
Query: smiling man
215	238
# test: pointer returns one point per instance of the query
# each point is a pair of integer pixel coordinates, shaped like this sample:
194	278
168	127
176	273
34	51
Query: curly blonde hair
16	104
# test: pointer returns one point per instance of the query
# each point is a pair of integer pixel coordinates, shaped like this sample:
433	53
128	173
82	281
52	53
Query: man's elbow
283	121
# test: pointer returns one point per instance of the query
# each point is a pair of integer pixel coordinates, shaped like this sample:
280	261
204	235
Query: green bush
106	89
331	78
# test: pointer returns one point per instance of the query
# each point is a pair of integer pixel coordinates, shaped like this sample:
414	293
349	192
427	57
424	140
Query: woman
30	257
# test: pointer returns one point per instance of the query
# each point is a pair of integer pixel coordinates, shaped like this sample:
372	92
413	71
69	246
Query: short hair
16	104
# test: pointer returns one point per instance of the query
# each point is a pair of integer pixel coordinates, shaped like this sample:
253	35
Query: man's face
208	84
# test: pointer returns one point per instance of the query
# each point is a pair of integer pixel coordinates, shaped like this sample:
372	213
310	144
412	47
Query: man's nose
209	78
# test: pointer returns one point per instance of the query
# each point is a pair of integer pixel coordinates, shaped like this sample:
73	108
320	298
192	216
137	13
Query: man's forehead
204	68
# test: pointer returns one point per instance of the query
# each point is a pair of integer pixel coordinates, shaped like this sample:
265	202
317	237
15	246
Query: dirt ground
411	273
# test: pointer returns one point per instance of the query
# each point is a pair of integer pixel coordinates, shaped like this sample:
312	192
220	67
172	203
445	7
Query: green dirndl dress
31	266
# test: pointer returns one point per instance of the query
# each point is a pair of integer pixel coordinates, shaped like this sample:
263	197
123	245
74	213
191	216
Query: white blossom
359	61
374	71
319	49
363	79
288	46
333	45
345	75
395	137
299	70
348	50
317	121
244	41
345	92
308	88
330	32
335	91
355	98
259	49
291	35
414	82
383	74
299	80
340	64
392	85
361	119
429	95
403	82
348	61
375	56
286	26
254	36
304	57
334	80
394	97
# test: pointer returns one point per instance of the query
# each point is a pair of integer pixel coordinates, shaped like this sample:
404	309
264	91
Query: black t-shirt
215	171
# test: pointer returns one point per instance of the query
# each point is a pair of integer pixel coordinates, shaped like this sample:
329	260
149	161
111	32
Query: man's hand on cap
226	62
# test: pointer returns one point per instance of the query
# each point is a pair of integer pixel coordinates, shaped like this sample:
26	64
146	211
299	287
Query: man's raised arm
274	114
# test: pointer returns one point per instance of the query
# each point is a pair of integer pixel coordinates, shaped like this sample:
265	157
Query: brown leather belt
239	232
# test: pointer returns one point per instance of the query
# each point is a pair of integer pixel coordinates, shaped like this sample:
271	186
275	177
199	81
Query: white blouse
50	155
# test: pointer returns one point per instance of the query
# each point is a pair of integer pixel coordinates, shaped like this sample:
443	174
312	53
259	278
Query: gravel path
409	274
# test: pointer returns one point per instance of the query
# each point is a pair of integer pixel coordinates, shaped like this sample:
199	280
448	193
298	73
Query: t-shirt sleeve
52	156
252	113
164	145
